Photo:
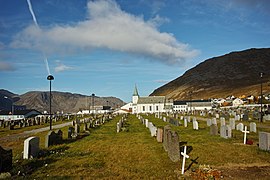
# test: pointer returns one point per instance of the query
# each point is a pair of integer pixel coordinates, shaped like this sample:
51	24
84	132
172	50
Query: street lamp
261	76
12	107
190	94
50	78
93	105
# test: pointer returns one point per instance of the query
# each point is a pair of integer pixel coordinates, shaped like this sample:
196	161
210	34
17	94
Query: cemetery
207	144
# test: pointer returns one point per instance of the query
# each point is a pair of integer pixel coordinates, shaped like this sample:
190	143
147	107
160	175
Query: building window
157	108
150	108
143	108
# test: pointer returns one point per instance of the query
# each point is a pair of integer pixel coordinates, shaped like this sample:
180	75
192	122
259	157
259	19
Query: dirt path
34	131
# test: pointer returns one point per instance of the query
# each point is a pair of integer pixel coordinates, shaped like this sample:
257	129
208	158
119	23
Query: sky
105	47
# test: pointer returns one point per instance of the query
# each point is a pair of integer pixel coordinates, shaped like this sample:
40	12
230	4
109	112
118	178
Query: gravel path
34	131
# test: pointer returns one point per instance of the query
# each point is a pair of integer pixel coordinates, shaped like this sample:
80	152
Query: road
34	131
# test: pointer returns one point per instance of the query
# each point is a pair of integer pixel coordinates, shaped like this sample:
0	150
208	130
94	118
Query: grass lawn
134	154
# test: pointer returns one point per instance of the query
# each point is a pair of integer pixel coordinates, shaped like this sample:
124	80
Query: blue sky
106	47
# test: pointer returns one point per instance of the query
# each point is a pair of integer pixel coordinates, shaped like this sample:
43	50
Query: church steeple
135	93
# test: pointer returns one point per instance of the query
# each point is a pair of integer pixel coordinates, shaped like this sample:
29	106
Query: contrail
35	21
32	12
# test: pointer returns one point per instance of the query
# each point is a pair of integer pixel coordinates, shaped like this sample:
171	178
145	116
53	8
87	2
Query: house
96	110
237	102
18	114
150	104
180	106
184	106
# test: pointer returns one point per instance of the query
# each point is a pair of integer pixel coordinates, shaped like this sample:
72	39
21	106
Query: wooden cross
184	154
245	135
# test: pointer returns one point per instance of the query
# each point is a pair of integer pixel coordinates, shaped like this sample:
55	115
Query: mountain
61	101
236	73
6	99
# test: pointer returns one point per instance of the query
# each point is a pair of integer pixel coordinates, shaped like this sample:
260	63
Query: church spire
135	93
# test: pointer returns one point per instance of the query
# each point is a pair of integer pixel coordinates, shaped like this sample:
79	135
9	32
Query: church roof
135	93
151	100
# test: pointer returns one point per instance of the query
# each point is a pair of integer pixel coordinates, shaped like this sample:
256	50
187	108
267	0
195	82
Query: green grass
134	154
107	154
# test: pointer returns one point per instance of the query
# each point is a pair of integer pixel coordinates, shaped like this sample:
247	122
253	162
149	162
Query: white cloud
107	27
61	67
6	66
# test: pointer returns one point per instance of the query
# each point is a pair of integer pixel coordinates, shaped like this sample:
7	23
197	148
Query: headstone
232	123
85	127
213	130
59	137
237	117
31	148
217	116
245	116
214	121
146	123
253	127
118	127
5	160
264	141
70	132
153	129
195	125
240	127
222	121
226	131
159	135
173	146
185	122
164	119
209	122
166	130
50	139
77	128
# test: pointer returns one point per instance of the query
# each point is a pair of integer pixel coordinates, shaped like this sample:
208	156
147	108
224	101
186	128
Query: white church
150	104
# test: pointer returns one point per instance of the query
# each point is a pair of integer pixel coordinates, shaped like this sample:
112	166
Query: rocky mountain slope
61	101
236	73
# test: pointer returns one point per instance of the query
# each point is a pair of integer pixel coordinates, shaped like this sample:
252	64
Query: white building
18	114
184	106
150	104
237	102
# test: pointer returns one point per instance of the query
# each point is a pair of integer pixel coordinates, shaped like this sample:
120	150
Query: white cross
245	135
184	154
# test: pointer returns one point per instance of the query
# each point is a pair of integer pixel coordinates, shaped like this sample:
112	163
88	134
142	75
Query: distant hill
61	101
6	99
236	73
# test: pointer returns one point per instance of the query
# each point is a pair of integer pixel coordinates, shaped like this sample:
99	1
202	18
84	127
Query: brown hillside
236	73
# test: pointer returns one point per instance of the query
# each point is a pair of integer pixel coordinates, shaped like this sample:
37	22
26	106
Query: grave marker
264	141
213	130
173	146
31	148
240	127
159	135
253	127
185	156
245	134
5	160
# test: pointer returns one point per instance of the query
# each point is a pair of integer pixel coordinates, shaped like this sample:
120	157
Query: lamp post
93	101
261	76
50	78
12	107
190	93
